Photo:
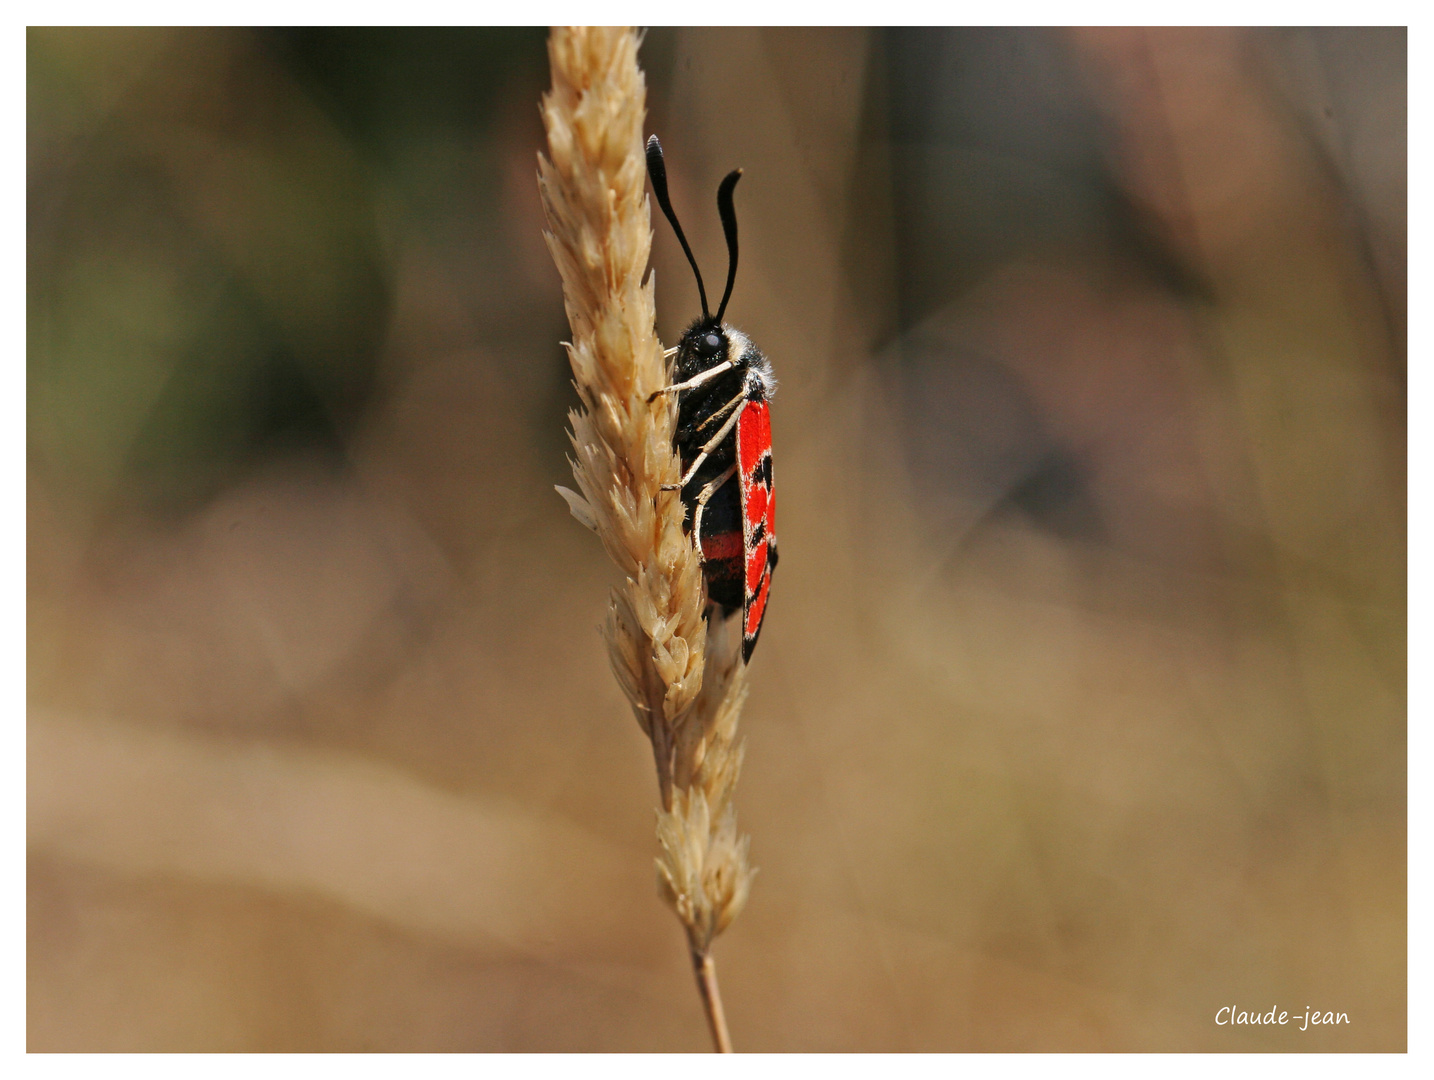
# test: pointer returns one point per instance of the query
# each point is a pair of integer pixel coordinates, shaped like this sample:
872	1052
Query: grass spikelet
685	685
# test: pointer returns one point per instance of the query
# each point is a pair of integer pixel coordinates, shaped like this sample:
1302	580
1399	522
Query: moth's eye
711	344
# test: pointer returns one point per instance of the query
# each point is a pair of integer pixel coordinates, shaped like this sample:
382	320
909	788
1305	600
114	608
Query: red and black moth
723	384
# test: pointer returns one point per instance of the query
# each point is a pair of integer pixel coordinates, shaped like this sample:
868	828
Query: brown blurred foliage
1080	707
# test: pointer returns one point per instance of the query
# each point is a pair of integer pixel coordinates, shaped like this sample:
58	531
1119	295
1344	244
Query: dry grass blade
685	686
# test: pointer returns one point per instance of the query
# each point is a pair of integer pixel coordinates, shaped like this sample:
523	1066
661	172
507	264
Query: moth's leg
712	444
722	411
696	380
702	499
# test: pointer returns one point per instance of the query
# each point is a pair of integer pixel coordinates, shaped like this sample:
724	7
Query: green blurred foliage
208	281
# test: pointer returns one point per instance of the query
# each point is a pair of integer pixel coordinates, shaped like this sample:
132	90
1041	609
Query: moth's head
703	345
709	341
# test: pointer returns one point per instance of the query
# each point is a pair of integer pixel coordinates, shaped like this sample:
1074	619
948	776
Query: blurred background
1080	707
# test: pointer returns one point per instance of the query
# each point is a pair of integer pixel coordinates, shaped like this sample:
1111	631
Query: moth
724	385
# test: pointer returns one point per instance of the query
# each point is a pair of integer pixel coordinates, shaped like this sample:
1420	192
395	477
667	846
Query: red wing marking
755	508
759	512
754	436
722	546
756	608
756	566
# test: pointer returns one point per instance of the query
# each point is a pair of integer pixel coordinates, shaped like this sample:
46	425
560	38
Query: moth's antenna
657	169
729	226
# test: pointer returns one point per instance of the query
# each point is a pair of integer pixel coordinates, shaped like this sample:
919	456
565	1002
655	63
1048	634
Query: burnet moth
723	385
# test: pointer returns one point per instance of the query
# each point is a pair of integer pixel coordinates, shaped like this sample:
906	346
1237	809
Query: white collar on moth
742	353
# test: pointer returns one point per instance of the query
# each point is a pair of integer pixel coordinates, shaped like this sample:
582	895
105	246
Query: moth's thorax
706	344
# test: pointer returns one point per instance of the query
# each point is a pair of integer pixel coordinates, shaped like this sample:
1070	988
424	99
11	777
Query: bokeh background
1080	707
